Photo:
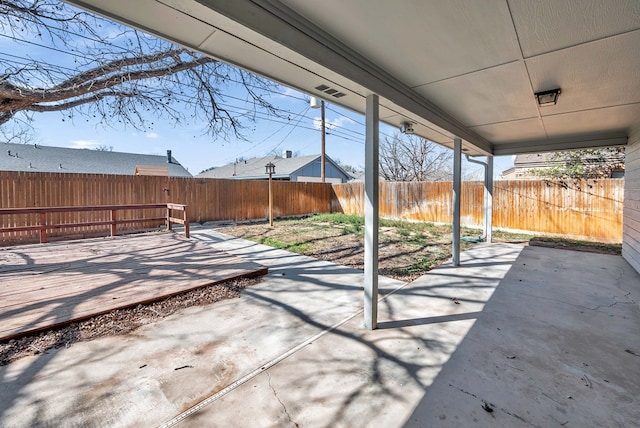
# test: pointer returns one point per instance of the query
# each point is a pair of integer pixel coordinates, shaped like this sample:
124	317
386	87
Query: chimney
169	156
287	154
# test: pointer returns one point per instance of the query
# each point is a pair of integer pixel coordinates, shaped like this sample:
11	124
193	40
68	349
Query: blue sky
298	132
344	142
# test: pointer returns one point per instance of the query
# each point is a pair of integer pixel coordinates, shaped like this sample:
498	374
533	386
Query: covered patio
499	77
540	336
503	335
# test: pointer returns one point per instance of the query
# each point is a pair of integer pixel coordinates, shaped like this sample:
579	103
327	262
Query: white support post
371	214
457	175
488	198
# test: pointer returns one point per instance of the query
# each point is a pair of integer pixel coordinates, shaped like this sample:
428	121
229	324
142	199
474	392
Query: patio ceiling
454	68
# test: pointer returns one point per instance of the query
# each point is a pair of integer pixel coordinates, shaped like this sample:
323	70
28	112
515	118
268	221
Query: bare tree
412	158
349	168
113	75
16	134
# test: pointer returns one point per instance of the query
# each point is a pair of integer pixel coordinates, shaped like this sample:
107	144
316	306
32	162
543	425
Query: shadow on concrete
520	329
547	350
427	320
86	271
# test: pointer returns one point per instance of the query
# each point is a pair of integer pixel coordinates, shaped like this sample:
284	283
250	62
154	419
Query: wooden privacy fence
583	209
208	199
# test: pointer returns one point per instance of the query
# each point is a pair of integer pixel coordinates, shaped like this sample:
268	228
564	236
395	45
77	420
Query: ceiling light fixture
548	98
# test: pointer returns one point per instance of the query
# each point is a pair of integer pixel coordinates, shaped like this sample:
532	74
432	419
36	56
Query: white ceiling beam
561	143
284	26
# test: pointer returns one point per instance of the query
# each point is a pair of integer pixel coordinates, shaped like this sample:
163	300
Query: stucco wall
631	228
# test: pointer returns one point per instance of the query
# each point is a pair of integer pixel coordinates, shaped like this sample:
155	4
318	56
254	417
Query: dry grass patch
407	250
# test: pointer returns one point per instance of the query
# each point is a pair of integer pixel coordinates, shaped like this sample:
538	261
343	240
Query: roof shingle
37	158
255	167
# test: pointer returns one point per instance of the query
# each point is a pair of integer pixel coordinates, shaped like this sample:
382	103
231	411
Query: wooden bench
43	225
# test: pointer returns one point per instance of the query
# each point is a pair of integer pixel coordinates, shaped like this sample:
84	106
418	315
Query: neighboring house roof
37	158
534	160
254	168
523	163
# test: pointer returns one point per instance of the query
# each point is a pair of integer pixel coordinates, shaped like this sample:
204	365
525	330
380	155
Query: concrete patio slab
558	344
292	351
351	377
162	369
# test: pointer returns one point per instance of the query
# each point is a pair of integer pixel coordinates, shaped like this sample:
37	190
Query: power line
104	41
290	131
92	59
57	68
334	130
107	49
122	48
358	122
48	47
264	139
180	84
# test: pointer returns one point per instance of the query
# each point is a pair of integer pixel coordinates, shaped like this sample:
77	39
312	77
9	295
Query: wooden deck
49	285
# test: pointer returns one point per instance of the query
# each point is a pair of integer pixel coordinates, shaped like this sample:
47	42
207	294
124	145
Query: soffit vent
330	91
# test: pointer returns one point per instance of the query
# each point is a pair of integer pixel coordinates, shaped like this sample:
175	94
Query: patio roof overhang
462	69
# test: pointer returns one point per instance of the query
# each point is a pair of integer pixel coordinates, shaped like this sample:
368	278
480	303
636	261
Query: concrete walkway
292	351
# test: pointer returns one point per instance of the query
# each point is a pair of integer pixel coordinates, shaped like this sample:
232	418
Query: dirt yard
406	251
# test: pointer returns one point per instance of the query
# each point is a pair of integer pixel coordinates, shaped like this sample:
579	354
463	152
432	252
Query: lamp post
270	169
314	104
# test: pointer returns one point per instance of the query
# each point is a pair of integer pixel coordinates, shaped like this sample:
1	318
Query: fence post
169	218
43	228
113	222
186	222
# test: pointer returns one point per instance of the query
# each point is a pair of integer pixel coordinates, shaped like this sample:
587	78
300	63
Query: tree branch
78	102
12	96
119	64
114	91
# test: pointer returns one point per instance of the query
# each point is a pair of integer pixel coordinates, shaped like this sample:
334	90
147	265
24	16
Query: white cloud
151	135
338	122
84	144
